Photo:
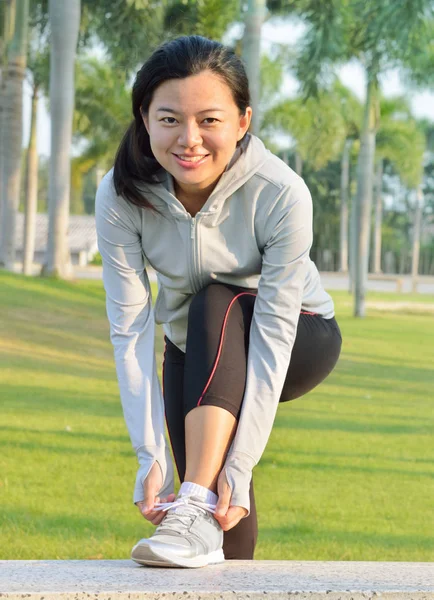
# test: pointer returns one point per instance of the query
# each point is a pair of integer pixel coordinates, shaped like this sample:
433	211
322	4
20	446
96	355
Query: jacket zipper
193	252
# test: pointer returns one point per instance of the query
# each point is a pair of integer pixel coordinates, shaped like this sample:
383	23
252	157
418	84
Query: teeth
190	158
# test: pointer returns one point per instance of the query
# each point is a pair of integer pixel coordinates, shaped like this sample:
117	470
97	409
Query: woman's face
195	117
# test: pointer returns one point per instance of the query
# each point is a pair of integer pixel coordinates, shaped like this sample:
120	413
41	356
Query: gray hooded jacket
254	231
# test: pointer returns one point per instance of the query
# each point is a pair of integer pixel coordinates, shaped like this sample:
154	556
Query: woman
227	226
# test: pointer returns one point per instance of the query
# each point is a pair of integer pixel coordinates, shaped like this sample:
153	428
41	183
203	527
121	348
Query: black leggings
212	371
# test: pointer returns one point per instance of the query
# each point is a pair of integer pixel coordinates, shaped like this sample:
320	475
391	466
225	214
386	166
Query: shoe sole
144	554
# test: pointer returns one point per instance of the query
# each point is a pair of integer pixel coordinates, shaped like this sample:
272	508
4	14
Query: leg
214	382
239	542
316	350
173	381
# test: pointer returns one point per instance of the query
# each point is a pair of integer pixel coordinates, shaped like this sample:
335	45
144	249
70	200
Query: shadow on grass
42	329
352	455
376	372
352	539
83	435
67	525
336	423
67	450
19	398
59	366
299	411
334	468
45	292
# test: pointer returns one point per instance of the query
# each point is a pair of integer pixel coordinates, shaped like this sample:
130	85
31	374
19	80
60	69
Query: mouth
190	161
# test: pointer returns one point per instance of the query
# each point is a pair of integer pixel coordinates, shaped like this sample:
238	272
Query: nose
190	135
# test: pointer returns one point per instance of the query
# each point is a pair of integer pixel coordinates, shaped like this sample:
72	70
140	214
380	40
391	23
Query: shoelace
178	521
185	501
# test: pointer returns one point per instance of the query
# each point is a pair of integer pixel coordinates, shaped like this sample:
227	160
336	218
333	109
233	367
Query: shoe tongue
185	508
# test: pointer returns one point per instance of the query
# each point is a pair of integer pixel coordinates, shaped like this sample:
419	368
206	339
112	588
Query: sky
351	75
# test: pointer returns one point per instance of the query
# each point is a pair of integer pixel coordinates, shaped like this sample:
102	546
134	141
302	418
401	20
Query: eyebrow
166	109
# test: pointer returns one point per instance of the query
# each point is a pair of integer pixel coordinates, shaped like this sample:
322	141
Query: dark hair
175	59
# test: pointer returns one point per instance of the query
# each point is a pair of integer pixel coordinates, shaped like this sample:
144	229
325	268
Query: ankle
189	487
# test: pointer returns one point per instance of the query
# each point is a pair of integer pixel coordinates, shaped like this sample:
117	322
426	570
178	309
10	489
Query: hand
151	485
227	516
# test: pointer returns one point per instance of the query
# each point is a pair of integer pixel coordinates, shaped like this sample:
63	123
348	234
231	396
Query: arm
287	242
132	329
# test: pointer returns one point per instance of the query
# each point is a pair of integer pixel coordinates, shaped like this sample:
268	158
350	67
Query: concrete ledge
232	580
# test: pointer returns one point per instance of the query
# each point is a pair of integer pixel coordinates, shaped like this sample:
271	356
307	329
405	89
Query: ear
245	122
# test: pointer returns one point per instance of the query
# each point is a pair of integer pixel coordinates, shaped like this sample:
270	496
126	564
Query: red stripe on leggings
225	320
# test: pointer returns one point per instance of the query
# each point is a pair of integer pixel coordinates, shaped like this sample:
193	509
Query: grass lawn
348	473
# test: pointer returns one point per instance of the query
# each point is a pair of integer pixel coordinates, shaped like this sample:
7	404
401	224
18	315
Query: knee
205	300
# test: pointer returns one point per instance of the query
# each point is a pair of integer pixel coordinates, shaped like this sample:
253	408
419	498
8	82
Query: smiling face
194	125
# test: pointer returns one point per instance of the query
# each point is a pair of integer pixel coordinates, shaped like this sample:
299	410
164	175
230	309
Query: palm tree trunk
298	164
64	20
352	246
99	174
7	33
345	178
12	132
416	238
31	191
255	16
378	216
365	169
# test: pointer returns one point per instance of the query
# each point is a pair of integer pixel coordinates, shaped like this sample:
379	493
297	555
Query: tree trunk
31	201
12	132
352	246
7	34
99	174
416	238
365	167
254	18
345	178
64	20
298	164
378	216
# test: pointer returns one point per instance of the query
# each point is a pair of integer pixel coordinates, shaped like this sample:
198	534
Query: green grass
347	473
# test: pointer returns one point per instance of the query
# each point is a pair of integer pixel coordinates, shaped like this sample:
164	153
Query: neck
194	195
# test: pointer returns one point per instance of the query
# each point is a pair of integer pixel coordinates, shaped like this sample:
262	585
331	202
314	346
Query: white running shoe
188	536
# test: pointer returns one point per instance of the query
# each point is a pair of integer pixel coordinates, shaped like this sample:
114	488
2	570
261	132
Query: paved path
331	281
231	580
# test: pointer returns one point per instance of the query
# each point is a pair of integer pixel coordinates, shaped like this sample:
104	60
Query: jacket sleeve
132	328
287	238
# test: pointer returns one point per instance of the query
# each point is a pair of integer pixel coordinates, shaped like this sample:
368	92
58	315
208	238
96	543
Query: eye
168	118
212	119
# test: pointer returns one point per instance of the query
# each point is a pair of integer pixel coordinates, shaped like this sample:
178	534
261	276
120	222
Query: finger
231	518
223	502
160	516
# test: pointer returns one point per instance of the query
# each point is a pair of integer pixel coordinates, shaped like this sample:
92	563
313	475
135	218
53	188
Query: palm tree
315	124
101	115
400	141
38	67
351	111
64	21
12	129
254	19
6	33
209	18
380	35
416	236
